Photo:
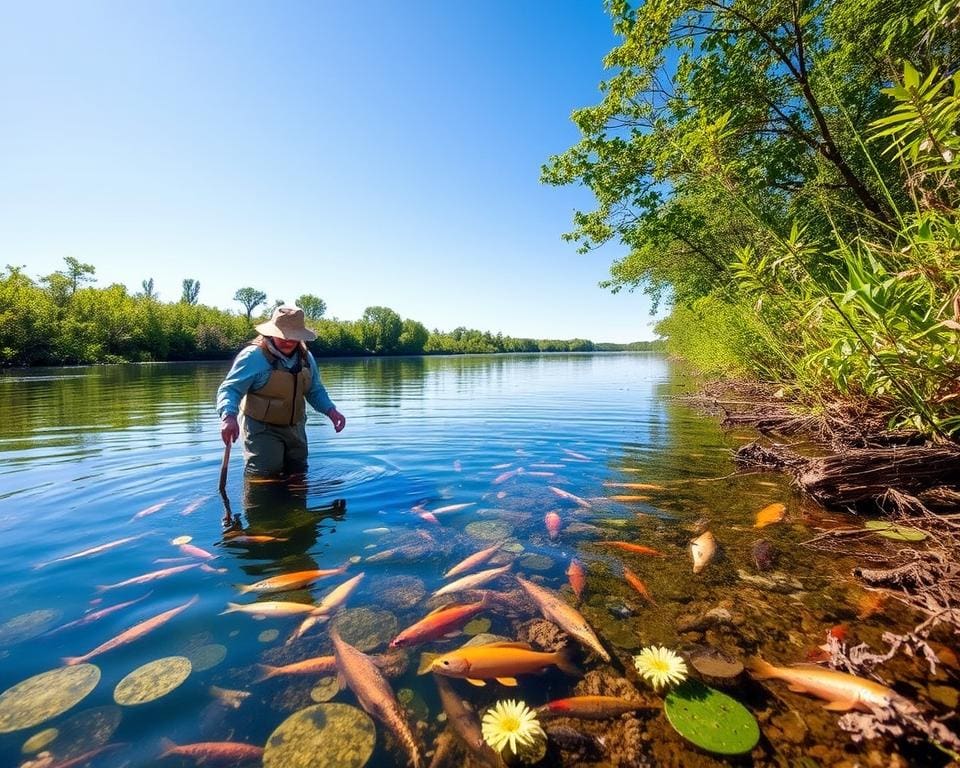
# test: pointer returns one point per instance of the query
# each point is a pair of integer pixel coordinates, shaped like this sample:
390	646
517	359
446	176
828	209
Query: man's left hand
338	419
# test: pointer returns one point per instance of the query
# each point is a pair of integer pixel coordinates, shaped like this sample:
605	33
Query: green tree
413	337
250	298
379	330
313	306
78	273
191	290
148	292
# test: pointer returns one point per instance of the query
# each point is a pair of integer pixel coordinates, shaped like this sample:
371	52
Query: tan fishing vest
280	401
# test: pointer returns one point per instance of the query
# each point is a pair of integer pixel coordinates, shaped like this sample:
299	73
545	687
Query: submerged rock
776	581
366	629
764	555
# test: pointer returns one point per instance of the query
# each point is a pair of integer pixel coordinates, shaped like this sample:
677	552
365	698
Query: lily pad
206	656
27	625
476	627
489	530
152	681
86	731
39	740
513	547
181	540
322	736
365	629
400	592
46	695
711	720
268	635
325	689
536	562
893	531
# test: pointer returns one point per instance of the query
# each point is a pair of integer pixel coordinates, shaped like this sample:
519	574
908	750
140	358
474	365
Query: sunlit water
83	451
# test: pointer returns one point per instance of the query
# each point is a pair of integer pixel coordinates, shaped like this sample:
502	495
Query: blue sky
378	153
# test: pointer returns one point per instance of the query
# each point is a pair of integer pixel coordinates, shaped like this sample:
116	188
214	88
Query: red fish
213	751
553	523
577	577
440	622
634	581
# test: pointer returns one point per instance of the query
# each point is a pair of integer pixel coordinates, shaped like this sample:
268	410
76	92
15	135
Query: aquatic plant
660	666
710	719
511	723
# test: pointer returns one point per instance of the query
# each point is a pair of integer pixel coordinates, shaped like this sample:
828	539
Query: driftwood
855	476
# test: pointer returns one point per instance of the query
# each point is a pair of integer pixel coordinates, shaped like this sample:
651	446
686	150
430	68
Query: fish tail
266	672
167	745
760	669
71	661
232	608
242	588
564	661
101	588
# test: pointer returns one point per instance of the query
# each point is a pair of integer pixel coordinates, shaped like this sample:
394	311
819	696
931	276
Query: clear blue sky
377	153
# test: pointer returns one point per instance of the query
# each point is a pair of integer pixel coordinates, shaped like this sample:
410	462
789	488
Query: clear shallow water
82	451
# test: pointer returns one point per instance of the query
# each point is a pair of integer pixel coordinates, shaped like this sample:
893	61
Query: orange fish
270	608
500	661
702	550
243	539
438	623
636	486
634	581
553	523
291	580
319	665
628	497
772	513
135	632
475	559
570	497
465	723
577	577
637	549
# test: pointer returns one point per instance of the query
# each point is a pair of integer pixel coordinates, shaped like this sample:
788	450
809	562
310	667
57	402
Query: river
131	454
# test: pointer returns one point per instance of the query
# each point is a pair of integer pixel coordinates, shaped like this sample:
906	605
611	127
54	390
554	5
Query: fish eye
445	663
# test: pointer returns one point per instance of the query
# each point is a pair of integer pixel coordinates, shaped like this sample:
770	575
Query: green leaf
893	531
711	720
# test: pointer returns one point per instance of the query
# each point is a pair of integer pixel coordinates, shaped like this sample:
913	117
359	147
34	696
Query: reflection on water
441	458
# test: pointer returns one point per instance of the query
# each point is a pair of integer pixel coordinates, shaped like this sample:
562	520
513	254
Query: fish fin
441	608
840	706
508	681
232	608
426	662
564	663
452	635
760	669
796	688
266	672
341	681
101	588
478	683
242	588
511	644
167	745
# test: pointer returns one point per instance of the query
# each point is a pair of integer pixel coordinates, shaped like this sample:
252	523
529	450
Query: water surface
84	450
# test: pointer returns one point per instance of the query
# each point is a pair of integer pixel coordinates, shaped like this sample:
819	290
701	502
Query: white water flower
660	666
511	722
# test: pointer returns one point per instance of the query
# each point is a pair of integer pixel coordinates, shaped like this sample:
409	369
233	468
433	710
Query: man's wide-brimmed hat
287	323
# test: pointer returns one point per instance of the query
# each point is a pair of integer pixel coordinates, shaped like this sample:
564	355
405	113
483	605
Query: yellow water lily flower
511	722
660	666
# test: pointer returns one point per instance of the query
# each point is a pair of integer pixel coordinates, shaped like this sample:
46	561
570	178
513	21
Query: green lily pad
892	531
152	681
46	695
711	720
322	736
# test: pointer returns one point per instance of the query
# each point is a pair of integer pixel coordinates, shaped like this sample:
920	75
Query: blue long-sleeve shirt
251	370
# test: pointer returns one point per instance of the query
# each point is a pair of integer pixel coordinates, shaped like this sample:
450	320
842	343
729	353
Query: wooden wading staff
223	468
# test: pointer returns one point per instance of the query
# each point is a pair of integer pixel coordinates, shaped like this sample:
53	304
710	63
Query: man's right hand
229	429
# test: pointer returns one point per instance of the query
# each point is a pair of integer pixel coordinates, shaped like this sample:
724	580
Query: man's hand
229	429
338	419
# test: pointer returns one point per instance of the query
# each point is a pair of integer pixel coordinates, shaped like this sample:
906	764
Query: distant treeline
60	320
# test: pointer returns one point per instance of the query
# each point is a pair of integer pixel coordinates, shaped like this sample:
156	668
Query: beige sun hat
286	323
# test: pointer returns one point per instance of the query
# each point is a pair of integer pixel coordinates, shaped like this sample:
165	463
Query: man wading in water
268	383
